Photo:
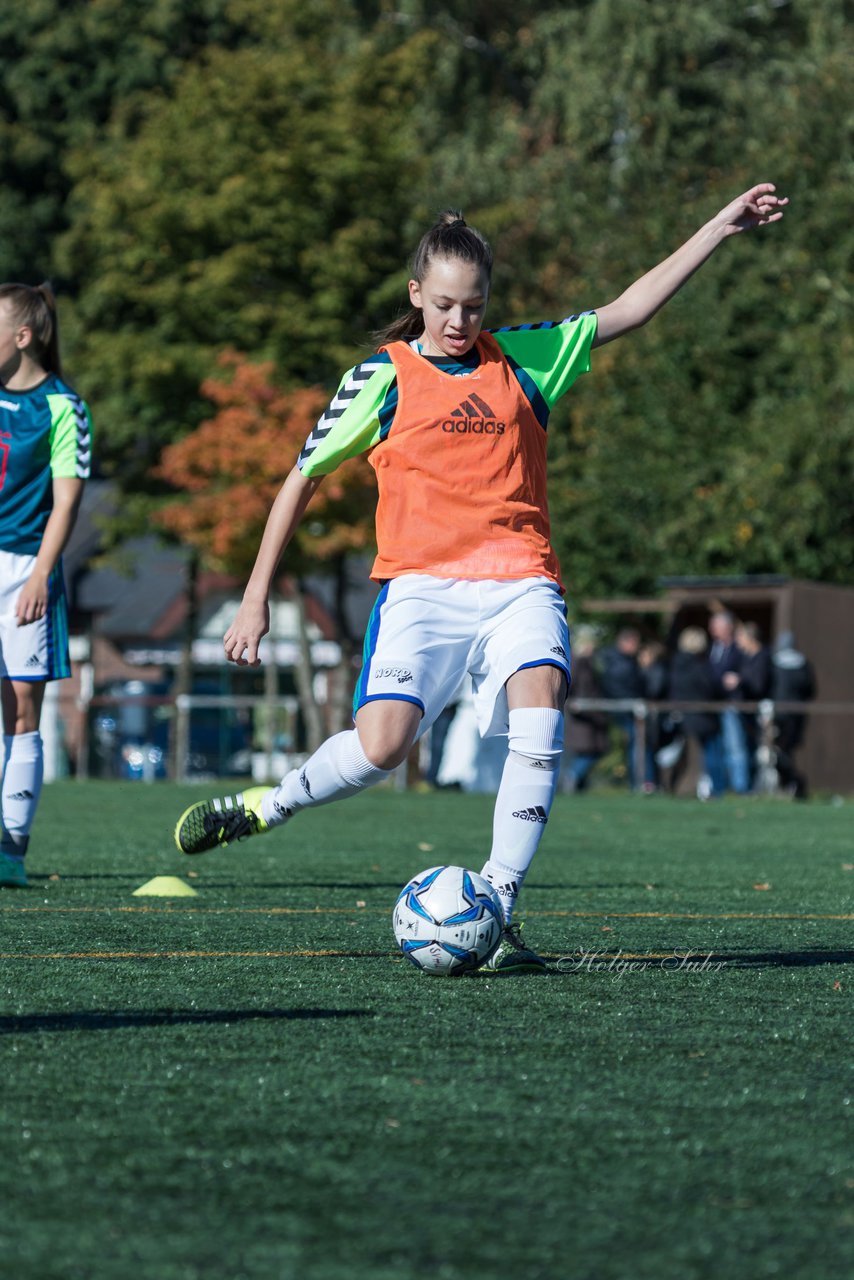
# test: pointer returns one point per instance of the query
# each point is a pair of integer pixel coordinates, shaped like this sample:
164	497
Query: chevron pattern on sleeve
344	397
83	437
518	328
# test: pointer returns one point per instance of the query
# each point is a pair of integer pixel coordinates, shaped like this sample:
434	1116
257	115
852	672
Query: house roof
711	582
138	593
129	591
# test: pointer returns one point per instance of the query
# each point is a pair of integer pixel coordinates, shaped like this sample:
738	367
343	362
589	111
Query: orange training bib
462	474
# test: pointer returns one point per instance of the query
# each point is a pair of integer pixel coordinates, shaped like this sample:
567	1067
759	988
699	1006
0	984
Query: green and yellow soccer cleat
512	956
218	822
12	872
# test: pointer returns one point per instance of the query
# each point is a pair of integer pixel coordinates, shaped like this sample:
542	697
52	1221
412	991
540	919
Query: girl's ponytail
51	358
406	327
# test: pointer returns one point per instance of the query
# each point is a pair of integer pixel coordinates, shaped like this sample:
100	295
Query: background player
45	455
455	419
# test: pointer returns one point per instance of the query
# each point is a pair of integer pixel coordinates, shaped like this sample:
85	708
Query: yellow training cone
166	887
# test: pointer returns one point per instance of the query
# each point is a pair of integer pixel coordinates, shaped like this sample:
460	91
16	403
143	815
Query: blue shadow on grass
102	1020
689	961
782	959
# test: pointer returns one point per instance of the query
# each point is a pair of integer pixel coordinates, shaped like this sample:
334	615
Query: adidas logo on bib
473	417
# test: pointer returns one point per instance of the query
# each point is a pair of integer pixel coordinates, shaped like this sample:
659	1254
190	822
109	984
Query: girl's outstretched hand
756	208
243	637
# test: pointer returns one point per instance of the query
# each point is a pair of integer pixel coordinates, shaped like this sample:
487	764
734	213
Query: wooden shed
821	618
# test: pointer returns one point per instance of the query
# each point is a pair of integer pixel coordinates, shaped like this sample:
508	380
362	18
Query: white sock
23	772
524	799
338	768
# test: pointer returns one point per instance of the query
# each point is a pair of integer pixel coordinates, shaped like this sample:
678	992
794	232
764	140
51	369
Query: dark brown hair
449	237
35	308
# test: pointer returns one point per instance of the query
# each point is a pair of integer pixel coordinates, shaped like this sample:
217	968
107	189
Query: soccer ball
448	920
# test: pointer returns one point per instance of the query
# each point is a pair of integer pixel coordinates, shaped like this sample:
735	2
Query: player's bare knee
387	731
384	753
541	686
388	759
22	704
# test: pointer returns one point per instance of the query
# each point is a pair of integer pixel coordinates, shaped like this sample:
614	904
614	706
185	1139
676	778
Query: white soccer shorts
38	650
426	633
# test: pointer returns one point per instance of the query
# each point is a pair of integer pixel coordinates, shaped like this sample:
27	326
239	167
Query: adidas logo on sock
21	795
303	781
535	814
473	417
508	890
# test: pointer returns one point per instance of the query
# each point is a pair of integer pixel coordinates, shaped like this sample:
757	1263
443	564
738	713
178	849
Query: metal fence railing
766	712
188	736
191	736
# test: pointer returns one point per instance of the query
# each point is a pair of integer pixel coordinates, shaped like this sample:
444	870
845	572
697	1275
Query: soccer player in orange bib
455	420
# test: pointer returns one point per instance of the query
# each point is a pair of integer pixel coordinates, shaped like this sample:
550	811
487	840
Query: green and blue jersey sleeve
546	358
45	435
352	424
551	355
70	437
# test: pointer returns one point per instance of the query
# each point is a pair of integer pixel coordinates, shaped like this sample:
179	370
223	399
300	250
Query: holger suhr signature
618	964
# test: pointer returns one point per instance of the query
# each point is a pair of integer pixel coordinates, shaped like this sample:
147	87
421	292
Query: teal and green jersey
546	358
45	433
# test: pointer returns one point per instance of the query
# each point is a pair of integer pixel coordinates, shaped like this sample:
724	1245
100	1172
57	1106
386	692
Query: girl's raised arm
755	208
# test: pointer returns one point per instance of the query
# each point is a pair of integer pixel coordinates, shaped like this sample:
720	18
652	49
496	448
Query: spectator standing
693	680
621	677
438	738
792	680
45	457
586	731
725	661
754	684
652	659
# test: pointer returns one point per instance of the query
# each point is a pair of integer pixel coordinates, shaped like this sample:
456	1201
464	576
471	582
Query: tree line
201	177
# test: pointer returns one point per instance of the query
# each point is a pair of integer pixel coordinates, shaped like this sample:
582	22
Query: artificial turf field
249	1083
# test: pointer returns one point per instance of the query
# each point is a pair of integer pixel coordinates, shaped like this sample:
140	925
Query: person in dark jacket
652	659
693	680
586	731
754	684
621	677
725	659
792	680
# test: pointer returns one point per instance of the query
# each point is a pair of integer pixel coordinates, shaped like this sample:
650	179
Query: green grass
193	1091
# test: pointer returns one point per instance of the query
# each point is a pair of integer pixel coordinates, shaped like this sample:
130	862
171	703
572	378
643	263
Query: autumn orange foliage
231	467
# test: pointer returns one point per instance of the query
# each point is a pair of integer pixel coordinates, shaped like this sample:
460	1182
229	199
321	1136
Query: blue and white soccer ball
448	920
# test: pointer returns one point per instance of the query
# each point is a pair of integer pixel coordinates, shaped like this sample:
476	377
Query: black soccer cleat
213	823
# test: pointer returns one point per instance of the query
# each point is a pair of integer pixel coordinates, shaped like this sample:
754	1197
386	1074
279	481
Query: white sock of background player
23	771
524	799
338	768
